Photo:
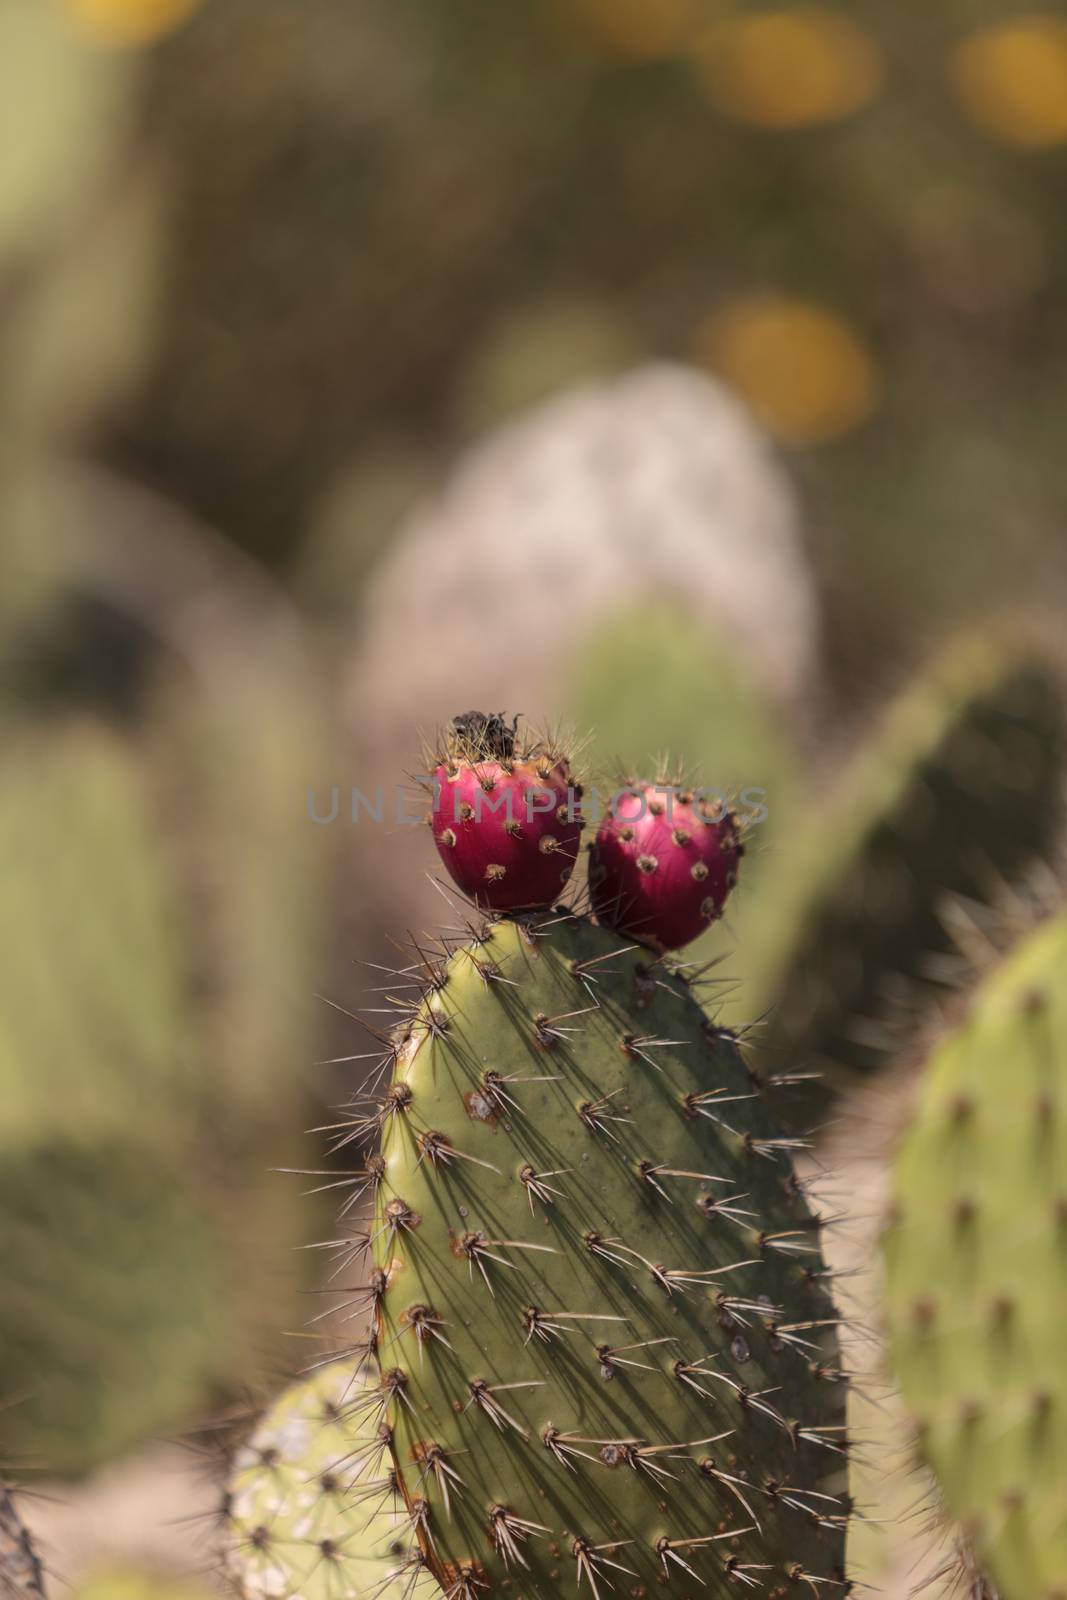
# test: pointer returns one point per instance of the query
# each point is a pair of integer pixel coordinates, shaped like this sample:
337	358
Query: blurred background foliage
850	213
687	368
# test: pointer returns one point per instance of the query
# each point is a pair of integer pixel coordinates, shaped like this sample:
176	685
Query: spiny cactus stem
617	1218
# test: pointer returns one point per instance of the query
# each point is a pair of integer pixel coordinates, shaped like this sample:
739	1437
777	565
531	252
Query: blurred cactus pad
655	685
960	790
977	1270
117	1316
92	986
133	1151
305	1511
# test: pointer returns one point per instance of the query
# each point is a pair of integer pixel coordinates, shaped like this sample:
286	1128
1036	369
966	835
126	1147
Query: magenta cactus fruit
506	814
663	863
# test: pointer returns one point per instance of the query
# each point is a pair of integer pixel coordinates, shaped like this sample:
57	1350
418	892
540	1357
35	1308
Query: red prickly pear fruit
506	817
662	864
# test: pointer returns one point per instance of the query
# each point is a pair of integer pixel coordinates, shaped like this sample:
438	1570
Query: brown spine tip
544	1037
400	1215
961	1108
1033	1002
420	1319
924	1314
1002	1310
400	1095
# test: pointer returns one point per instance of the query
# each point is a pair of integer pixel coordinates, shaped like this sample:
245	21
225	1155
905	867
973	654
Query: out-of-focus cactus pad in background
689	370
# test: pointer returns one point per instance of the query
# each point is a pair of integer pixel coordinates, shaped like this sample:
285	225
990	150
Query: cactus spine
21	1573
976	1262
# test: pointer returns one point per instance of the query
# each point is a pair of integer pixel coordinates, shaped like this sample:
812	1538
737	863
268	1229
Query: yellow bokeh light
805	374
124	24
1012	80
794	68
638	30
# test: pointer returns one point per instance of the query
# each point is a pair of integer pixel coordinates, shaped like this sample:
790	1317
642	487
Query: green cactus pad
976	1261
961	790
114	1321
656	681
21	1573
91	989
130	1033
305	1516
608	1358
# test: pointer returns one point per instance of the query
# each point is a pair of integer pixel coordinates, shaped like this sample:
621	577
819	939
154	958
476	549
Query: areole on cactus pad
506	814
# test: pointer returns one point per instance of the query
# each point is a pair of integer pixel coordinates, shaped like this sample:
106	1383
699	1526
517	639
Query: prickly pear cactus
606	1345
961	789
976	1264
307	1511
21	1573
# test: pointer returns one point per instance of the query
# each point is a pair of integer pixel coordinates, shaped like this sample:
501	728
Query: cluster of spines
21	1570
475	737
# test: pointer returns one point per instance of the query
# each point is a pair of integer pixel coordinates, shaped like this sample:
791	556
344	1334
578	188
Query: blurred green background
686	368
